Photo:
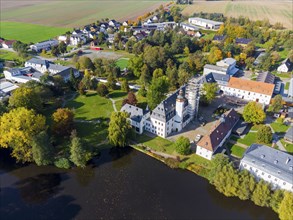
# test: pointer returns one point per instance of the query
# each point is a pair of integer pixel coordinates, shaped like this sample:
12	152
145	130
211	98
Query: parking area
195	127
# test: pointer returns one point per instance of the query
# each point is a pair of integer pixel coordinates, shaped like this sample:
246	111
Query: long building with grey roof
270	165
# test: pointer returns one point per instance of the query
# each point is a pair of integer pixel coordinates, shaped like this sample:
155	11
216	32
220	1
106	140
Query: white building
225	66
76	39
170	115
270	165
189	27
137	116
211	143
45	45
22	75
205	23
44	66
285	67
6	88
249	90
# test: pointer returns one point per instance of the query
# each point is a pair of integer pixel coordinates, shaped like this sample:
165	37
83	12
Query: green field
236	150
279	127
122	63
73	13
91	107
274	11
7	55
29	32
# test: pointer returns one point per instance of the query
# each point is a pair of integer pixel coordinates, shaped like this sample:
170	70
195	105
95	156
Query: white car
197	138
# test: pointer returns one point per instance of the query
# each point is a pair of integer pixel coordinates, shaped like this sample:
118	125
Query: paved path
113	103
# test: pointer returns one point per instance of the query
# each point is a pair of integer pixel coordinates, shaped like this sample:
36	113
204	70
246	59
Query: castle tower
180	102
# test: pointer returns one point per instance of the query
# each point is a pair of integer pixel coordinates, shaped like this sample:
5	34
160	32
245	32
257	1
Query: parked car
197	138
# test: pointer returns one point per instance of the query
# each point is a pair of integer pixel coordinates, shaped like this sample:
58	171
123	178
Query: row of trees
232	182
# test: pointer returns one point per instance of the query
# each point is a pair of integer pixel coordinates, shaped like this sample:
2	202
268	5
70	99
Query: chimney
287	161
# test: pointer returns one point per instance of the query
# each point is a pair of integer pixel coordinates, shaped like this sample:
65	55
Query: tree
42	149
264	135
246	186
125	86
111	82
262	194
119	129
62	47
3	108
286	207
276	199
182	145
217	164
62	121
253	113
85	63
25	97
135	64
102	90
17	130
78	154
226	181
156	91
131	99
276	104
209	91
142	91
215	55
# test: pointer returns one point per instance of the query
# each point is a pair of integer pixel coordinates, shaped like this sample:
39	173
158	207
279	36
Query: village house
205	23
6	88
8	43
44	66
210	143
137	116
286	66
221	79
243	42
249	90
225	66
270	165
22	75
45	45
76	39
219	38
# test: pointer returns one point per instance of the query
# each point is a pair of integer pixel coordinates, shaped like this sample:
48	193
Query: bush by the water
172	163
62	163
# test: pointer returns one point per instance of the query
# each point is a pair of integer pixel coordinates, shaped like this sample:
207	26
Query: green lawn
279	127
156	143
287	85
236	150
288	146
117	94
91	106
198	160
92	133
122	63
10	56
29	32
249	139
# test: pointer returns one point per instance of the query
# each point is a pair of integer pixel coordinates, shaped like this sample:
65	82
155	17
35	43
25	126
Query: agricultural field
274	11
29	32
73	13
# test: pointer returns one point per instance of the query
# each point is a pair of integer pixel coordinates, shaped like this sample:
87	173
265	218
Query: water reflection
38	189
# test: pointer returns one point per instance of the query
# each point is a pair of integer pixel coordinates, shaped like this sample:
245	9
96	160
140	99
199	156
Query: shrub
172	163
182	145
62	163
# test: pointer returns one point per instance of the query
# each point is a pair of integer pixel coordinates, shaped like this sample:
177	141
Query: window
244	165
276	179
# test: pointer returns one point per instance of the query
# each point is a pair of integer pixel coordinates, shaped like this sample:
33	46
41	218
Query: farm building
205	23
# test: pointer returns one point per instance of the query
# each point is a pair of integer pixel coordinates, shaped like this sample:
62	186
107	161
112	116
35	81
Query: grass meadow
29	32
275	11
72	13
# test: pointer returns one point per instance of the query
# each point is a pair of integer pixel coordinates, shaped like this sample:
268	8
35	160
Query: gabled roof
270	160
266	77
252	86
214	67
166	109
288	63
242	40
135	112
219	132
219	37
39	62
